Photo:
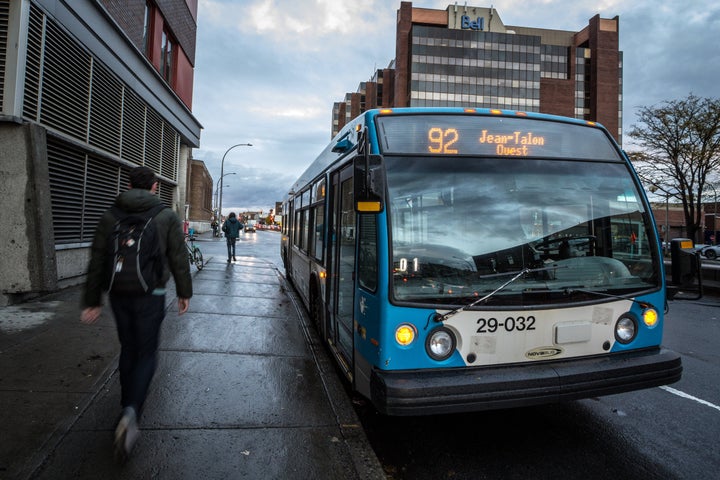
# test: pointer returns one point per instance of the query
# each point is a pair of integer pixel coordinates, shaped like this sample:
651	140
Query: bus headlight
405	334
440	344
626	328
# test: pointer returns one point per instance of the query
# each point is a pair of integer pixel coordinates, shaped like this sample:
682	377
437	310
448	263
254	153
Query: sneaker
234	259
126	434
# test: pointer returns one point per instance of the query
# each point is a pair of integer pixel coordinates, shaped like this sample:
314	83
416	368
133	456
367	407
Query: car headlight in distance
440	344
626	328
405	334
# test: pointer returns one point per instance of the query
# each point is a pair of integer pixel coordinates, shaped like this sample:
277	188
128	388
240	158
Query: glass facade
475	69
583	59
555	61
380	90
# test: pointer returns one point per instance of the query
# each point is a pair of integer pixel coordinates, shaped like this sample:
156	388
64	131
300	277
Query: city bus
472	259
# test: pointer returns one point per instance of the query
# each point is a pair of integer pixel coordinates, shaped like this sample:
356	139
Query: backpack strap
154	211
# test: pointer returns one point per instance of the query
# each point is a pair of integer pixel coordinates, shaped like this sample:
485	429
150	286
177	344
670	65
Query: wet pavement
243	388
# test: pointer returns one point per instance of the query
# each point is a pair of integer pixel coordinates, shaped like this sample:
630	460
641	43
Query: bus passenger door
341	256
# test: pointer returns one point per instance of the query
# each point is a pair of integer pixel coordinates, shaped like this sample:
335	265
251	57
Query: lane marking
689	397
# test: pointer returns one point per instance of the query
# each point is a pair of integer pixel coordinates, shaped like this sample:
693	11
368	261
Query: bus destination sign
516	144
491	136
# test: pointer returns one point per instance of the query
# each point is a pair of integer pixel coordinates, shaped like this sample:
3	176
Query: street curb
363	457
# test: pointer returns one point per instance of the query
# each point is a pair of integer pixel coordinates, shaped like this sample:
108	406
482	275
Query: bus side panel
300	272
371	312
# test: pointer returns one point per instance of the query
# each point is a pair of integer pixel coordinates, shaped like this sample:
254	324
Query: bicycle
194	254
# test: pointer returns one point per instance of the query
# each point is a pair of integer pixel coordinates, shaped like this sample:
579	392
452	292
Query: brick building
200	186
467	57
671	218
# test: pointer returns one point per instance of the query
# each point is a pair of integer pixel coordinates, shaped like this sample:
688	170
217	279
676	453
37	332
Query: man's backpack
136	263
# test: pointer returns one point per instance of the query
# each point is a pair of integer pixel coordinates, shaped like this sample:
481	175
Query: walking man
232	228
138	316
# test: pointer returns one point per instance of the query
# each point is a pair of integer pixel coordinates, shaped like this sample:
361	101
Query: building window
168	45
146	30
555	60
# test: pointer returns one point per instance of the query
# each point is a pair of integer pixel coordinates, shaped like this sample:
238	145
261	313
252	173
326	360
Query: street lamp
215	210
714	212
222	170
217	186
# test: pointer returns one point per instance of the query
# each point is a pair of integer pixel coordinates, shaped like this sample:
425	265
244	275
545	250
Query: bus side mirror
369	184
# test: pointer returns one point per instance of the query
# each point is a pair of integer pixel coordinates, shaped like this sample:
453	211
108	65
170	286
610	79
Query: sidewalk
243	388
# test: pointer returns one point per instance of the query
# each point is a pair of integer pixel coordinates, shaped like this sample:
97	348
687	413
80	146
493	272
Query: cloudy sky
268	71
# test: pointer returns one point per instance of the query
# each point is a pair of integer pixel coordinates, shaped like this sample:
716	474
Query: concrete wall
72	265
28	263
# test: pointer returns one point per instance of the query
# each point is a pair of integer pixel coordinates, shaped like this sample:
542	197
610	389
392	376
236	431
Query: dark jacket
172	245
232	227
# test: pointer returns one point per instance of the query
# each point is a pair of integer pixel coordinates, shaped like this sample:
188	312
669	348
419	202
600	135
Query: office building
89	89
466	56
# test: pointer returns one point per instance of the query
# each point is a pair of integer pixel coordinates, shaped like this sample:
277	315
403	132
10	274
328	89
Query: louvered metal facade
4	14
98	129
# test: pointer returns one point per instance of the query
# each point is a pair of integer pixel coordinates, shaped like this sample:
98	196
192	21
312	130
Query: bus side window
305	229
311	232
296	236
317	233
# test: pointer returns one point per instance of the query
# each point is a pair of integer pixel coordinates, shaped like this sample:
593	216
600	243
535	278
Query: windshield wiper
609	295
442	317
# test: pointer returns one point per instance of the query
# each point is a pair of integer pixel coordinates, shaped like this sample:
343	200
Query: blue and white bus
471	259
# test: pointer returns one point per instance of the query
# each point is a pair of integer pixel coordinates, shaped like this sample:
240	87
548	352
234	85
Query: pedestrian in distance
138	244
232	228
214	225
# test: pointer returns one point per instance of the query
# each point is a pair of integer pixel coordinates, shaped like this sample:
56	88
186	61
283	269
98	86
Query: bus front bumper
430	392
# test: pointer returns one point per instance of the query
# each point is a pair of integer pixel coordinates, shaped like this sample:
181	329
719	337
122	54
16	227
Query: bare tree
679	152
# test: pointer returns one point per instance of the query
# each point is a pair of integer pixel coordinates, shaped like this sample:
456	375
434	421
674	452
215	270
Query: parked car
710	252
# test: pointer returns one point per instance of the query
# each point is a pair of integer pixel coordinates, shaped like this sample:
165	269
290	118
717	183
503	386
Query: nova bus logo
543	352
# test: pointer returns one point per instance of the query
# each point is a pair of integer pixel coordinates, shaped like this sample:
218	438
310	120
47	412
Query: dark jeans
231	246
138	321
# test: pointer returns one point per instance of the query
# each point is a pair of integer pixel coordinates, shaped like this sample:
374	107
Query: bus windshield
462	227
